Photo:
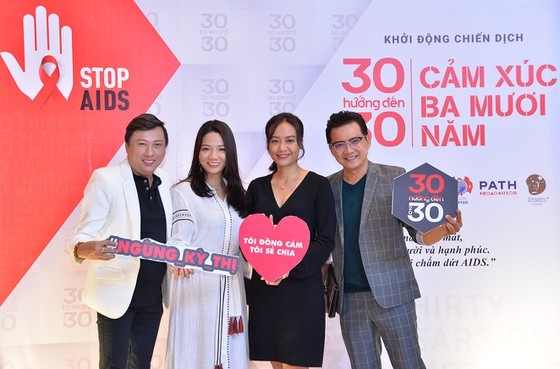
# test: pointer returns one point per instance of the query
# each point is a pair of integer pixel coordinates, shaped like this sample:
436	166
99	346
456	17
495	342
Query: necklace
288	183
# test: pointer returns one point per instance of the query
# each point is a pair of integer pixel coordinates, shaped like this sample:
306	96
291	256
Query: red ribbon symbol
49	81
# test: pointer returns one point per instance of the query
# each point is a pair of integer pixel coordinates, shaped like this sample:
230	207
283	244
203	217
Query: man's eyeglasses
354	142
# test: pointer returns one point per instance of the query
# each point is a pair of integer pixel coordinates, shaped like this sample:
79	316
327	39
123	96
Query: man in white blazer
130	200
371	262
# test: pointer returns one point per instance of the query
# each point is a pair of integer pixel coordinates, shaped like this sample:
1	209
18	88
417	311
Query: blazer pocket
398	256
108	272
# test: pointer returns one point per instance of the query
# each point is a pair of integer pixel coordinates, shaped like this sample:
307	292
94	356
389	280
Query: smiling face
354	160
145	151
283	147
212	154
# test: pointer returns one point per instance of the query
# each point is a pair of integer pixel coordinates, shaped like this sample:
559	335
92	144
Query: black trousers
128	342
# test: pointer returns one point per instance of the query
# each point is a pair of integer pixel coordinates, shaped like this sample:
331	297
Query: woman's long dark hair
274	122
197	175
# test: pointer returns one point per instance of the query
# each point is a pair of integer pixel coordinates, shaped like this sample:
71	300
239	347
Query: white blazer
111	207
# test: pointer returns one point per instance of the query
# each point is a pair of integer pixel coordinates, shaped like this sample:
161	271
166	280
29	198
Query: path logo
73	74
47	60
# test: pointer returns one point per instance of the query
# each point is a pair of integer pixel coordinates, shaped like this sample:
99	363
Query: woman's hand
276	282
183	273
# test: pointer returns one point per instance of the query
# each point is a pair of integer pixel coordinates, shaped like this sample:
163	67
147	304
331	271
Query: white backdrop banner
469	87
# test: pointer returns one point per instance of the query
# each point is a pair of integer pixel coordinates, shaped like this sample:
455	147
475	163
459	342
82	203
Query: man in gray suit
371	261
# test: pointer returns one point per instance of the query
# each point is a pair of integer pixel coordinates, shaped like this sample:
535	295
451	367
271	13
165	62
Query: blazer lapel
165	195
369	191
337	194
131	199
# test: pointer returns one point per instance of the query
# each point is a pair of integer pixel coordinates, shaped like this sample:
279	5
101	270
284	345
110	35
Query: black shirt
152	225
355	279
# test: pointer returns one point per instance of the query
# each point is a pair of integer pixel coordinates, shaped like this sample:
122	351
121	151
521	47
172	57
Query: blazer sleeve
411	231
94	209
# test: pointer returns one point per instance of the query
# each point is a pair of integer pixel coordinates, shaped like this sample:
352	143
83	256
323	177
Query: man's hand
452	226
96	250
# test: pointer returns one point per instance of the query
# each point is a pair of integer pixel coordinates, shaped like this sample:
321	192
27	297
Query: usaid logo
464	185
464	188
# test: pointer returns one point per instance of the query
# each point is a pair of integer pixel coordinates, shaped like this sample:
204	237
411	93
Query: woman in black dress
287	316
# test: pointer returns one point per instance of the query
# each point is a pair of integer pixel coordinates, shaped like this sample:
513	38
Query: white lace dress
207	323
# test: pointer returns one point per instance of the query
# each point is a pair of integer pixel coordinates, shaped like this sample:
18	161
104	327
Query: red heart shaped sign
273	250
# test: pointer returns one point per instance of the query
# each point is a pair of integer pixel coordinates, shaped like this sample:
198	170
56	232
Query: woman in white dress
207	310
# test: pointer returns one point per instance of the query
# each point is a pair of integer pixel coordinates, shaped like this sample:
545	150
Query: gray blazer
382	247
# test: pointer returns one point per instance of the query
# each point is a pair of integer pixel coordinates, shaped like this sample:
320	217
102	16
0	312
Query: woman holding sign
287	315
208	310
